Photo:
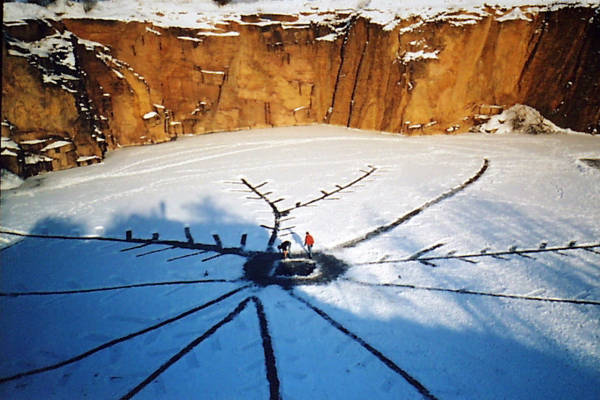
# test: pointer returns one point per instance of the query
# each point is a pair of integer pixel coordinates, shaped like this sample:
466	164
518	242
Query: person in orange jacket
309	242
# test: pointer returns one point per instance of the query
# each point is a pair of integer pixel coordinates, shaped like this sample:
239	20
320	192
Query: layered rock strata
76	87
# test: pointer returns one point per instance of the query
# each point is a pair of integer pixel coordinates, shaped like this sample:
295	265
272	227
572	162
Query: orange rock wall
148	84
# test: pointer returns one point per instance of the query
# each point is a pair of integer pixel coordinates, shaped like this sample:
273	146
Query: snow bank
519	119
207	12
8	180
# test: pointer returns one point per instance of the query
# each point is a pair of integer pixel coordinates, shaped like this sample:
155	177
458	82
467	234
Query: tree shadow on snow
448	360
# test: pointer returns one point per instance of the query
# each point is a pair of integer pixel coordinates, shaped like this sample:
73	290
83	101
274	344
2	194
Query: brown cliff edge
73	89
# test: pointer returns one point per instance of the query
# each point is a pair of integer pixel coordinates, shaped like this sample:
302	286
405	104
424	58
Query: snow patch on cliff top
193	14
53	55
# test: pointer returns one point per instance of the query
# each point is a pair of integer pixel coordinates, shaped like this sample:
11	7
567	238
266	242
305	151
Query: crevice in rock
357	77
534	51
348	29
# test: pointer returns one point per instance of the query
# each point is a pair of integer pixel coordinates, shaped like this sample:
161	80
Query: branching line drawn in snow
156	251
266	342
386	228
11	245
135	247
279	214
216	248
228	318
477	293
472	257
276	213
187	255
123	338
105	289
338	188
389	363
591	250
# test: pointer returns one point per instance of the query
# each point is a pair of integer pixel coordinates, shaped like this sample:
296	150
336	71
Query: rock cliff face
74	88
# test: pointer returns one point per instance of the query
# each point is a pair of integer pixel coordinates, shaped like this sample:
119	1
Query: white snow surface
206	13
150	115
57	144
7	143
411	56
456	345
8	180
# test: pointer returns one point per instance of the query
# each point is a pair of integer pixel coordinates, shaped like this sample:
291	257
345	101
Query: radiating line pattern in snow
271	369
123	338
109	288
479	293
389	363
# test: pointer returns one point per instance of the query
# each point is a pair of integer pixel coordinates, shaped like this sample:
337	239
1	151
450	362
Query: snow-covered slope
194	14
452	286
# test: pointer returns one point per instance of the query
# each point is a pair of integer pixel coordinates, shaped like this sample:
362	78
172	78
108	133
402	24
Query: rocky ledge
74	88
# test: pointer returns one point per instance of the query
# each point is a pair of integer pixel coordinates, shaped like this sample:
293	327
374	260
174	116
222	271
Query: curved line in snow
386	228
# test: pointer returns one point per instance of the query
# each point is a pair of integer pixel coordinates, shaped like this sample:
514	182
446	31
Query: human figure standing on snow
285	248
309	242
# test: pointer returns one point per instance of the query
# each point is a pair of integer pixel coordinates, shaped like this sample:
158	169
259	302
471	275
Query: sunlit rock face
83	86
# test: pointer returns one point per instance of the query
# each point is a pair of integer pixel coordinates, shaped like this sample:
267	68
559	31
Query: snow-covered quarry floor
399	323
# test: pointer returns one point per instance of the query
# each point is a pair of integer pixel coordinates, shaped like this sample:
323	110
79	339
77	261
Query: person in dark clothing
284	247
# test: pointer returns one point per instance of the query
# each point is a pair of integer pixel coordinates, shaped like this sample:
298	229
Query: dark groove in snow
389	363
108	288
477	293
11	245
386	228
240	307
155	251
238	251
123	338
267	343
496	254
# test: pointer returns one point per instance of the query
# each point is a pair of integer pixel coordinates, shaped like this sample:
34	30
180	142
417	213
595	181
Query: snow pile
8	180
519	119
